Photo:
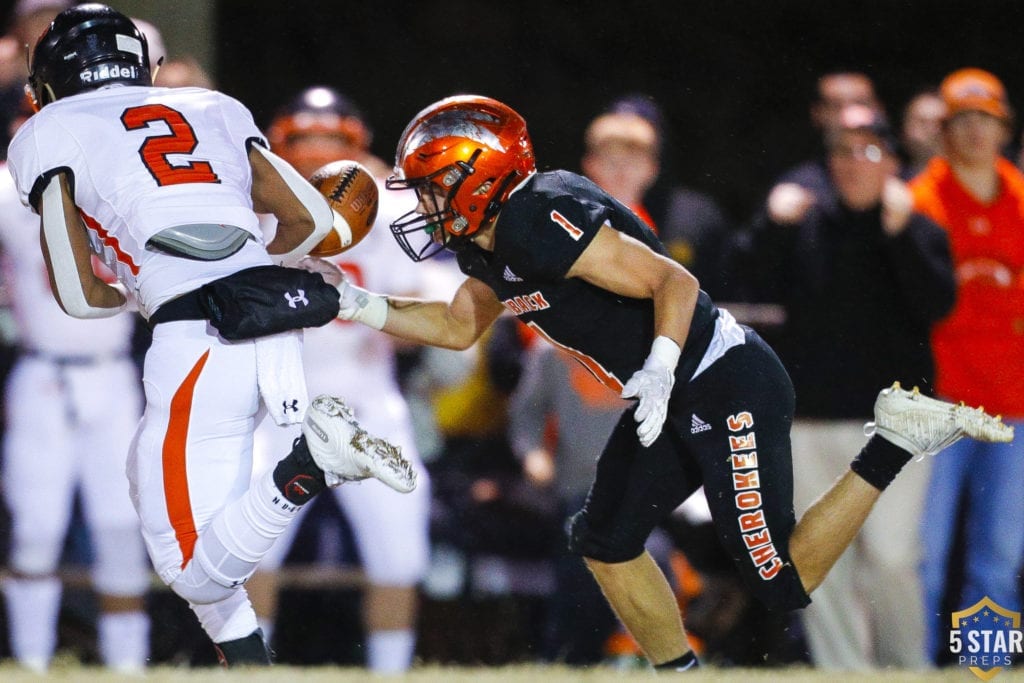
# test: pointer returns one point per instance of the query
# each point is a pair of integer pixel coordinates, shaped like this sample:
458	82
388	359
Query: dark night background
735	78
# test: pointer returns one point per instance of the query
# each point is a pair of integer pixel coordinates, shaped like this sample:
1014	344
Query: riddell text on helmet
746	481
107	71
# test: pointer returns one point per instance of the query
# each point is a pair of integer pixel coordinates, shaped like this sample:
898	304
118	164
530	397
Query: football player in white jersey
319	126
164	184
78	372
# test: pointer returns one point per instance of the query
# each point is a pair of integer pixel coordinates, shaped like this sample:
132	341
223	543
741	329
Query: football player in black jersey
714	404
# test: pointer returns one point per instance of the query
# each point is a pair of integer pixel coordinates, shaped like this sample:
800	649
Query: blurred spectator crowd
896	253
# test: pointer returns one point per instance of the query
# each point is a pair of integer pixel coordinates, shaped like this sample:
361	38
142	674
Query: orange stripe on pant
179	506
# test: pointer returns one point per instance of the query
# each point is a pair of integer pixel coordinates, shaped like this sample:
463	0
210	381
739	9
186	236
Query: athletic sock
297	477
390	652
684	663
123	640
33	609
879	462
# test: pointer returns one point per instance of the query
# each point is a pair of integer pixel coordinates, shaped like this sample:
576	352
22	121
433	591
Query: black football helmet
87	47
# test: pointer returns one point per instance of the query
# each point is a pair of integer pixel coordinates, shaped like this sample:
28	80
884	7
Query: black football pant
727	429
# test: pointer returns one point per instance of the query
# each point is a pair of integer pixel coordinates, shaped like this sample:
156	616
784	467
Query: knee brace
199	588
229	549
221	558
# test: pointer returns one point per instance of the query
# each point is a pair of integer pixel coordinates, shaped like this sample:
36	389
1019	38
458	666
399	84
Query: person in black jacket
808	182
862	278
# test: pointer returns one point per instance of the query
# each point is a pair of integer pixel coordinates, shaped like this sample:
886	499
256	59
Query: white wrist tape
315	203
62	257
362	306
665	353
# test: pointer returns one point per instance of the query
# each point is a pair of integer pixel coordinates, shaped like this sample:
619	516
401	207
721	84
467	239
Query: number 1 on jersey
156	148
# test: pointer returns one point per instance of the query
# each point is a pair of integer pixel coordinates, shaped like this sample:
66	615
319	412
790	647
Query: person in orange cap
978	197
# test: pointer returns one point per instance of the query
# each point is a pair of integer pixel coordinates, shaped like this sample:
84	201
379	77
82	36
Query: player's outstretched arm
454	325
65	243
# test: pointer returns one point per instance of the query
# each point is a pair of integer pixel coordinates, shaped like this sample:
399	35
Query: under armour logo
294	406
300	298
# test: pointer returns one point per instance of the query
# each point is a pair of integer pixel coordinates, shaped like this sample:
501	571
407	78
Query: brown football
352	192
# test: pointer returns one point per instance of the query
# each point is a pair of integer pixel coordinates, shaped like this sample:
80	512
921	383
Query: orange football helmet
319	111
463	156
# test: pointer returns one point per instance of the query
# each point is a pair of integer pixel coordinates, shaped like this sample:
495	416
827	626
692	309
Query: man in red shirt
978	197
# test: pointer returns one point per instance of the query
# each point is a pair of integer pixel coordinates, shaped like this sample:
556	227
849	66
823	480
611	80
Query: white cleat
345	452
924	426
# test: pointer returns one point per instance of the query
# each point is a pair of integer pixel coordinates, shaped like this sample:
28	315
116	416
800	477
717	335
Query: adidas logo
698	425
510	276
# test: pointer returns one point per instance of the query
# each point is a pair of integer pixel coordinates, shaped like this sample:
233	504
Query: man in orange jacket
978	197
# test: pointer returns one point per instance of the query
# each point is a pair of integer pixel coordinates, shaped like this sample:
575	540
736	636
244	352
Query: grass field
512	674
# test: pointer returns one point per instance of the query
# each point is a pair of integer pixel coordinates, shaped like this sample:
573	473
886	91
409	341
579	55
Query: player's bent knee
784	592
35	556
196	586
609	548
201	593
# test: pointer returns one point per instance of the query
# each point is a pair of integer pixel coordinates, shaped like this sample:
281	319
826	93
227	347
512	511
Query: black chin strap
494	206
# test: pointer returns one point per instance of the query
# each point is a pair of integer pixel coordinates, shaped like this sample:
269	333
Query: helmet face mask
421	232
463	156
435	216
85	48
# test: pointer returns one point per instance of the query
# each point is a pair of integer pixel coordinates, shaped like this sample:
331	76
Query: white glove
652	384
356	303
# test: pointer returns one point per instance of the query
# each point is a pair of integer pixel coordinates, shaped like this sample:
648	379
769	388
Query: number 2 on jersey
156	148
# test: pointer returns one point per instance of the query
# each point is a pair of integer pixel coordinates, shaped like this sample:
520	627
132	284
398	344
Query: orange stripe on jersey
603	376
562	221
109	241
179	505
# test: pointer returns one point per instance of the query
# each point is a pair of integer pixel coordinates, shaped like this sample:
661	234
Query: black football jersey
543	228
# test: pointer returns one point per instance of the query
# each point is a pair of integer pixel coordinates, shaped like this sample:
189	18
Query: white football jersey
142	160
42	325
